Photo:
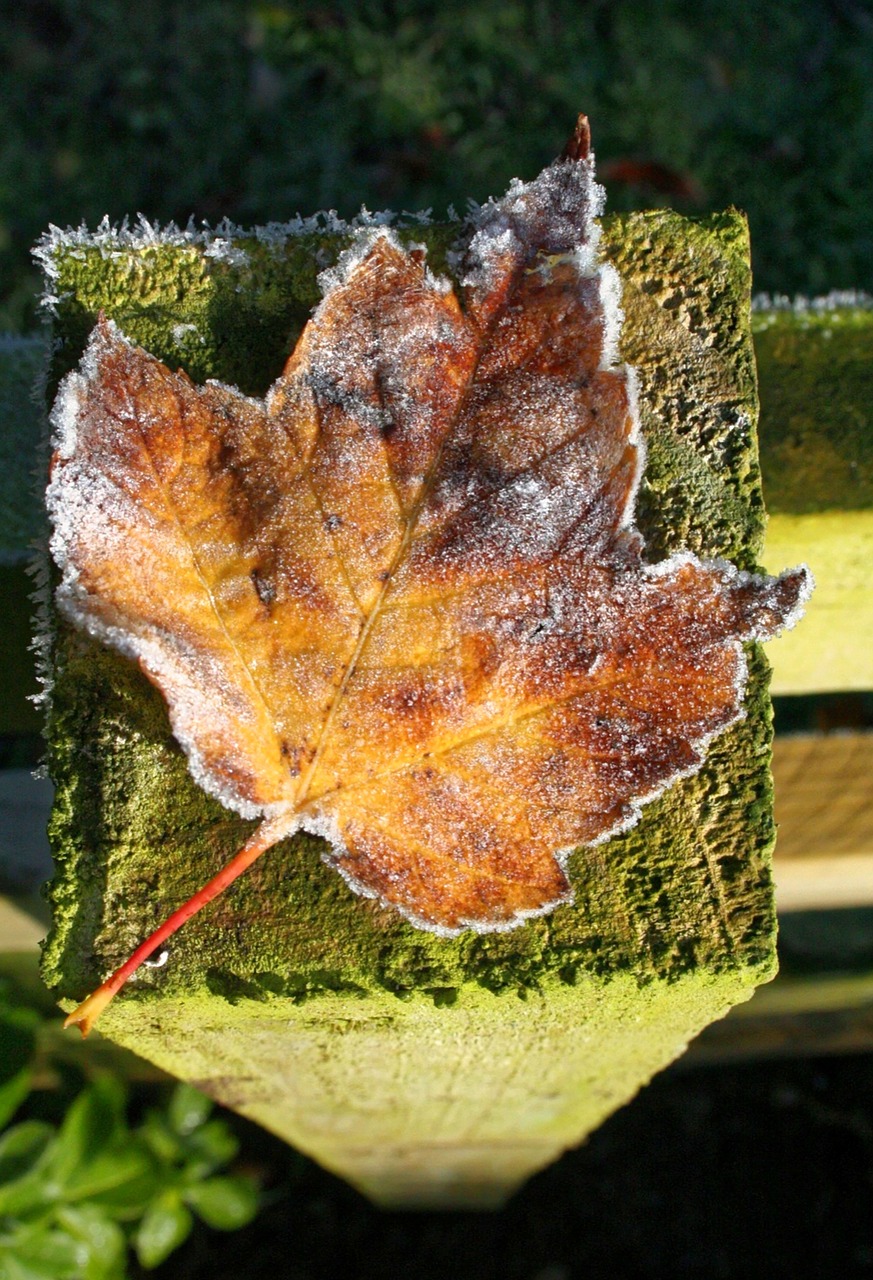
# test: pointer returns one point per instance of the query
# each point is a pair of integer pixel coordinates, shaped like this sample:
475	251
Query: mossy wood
425	1070
815	366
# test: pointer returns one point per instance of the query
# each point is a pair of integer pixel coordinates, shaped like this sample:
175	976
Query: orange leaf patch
401	601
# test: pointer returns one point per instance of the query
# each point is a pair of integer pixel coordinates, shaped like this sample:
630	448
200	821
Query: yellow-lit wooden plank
831	648
19	930
824	812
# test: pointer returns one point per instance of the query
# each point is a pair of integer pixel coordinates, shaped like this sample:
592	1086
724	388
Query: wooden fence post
426	1071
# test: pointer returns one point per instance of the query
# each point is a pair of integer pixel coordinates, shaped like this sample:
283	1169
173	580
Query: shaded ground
761	1169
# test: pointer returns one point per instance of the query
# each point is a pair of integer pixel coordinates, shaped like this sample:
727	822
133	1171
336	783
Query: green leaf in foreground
165	1225
72	1198
25	1153
17	1034
188	1109
224	1203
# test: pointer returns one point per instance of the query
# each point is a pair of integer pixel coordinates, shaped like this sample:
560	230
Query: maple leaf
401	601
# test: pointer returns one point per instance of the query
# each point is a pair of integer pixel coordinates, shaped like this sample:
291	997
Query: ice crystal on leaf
401	602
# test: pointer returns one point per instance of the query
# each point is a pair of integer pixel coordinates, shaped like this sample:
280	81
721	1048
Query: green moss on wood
816	377
688	887
686	299
815	366
640	907
419	1102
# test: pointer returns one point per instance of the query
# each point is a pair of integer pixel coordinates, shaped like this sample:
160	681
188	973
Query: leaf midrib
306	779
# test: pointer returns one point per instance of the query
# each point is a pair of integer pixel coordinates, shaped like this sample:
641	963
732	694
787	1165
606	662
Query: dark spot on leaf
264	587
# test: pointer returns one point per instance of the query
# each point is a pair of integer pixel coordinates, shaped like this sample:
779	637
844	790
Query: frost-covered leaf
401	602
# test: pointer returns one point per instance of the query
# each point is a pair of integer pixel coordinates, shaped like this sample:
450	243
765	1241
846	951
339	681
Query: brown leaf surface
401	602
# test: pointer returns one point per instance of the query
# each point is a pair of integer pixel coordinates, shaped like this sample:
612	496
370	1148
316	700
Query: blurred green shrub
74	1197
261	109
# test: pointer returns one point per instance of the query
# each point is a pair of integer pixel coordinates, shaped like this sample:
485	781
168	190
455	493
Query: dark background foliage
260	110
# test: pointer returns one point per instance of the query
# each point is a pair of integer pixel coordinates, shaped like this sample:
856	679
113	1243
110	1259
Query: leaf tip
579	145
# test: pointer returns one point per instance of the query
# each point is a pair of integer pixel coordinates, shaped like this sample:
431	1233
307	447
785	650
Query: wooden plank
25	856
792	1018
25	860
824	858
830	650
824	815
815	376
20	929
815	371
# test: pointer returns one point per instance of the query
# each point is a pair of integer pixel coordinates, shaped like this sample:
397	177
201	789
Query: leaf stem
268	833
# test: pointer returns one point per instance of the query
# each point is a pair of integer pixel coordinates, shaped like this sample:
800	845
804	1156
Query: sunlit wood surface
824	811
